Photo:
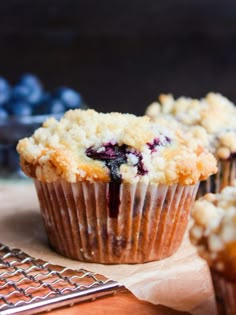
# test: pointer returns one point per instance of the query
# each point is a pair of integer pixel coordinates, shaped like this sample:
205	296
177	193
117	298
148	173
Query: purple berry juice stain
114	156
114	199
157	142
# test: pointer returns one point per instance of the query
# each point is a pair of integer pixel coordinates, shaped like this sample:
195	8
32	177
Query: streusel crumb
215	114
92	146
214	230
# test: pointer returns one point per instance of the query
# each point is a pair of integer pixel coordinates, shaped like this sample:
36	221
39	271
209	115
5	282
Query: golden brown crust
214	230
58	150
214	113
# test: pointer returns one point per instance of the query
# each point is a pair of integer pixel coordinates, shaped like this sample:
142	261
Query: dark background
121	54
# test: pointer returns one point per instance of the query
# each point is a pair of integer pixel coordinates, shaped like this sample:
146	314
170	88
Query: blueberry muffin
113	188
212	122
214	235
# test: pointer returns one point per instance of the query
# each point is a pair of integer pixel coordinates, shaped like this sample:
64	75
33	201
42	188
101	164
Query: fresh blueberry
30	80
69	97
30	89
20	92
35	96
42	108
56	106
19	108
5	91
3	114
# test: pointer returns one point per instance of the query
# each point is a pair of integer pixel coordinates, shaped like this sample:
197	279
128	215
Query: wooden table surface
121	303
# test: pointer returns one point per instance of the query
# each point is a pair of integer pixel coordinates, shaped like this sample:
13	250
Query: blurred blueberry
21	93
35	96
69	97
19	108
56	106
3	114
42	108
5	91
31	89
30	80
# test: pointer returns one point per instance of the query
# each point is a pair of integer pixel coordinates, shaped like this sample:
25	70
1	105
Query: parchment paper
181	282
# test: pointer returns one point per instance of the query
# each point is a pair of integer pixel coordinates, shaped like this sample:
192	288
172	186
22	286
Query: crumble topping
87	145
214	229
215	114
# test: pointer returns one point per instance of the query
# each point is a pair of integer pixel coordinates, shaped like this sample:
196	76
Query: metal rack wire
29	285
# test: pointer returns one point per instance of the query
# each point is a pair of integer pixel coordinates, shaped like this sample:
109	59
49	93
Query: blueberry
30	80
26	94
5	91
56	107
69	97
158	142
19	108
114	156
29	89
35	96
139	163
42	108
49	106
20	93
3	114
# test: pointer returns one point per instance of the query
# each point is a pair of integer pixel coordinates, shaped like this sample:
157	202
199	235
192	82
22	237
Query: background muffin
113	188
214	234
211	121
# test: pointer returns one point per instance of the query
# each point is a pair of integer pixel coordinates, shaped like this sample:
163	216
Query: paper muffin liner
225	294
115	223
225	176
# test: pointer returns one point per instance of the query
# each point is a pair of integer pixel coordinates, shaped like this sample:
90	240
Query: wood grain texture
123	303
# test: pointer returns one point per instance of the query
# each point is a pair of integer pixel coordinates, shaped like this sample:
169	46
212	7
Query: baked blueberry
113	155
136	159
158	142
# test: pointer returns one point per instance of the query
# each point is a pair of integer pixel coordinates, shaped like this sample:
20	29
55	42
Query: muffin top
214	230
92	146
215	114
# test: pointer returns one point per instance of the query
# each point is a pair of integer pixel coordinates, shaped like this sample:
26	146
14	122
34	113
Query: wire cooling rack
30	286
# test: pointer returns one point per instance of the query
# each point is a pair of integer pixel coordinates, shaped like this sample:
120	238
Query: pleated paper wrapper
181	281
225	291
147	222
